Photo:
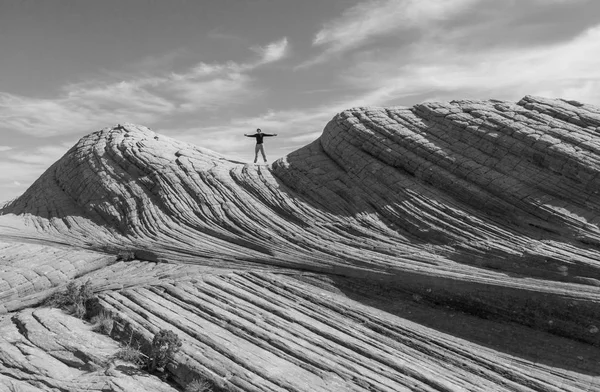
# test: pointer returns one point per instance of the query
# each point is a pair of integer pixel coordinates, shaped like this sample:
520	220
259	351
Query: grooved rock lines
29	273
46	350
490	208
266	332
380	187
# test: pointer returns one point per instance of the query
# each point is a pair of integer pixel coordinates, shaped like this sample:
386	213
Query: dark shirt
259	137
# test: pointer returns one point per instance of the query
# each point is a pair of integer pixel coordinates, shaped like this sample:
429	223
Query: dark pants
259	147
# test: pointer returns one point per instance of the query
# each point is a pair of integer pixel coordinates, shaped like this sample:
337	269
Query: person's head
258	130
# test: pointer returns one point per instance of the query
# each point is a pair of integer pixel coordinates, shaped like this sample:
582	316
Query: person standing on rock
259	143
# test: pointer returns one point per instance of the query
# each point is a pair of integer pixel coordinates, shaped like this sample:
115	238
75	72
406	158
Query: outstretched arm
269	134
245	134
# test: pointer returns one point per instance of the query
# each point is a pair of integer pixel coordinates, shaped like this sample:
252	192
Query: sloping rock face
48	350
299	276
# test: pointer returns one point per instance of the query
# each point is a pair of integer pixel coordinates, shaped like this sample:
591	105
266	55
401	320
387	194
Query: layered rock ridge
531	167
467	187
472	176
487	208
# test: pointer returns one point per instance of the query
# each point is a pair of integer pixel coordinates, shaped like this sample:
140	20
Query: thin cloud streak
272	52
20	168
140	99
43	156
562	70
9	185
376	18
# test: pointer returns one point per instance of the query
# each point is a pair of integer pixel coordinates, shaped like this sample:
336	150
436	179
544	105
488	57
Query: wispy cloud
161	61
376	18
207	87
5	148
564	69
42	156
81	107
21	167
274	51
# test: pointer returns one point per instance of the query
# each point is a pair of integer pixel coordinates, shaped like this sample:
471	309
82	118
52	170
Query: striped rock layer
444	247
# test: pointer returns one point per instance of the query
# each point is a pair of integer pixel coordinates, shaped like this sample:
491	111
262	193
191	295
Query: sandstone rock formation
47	350
445	247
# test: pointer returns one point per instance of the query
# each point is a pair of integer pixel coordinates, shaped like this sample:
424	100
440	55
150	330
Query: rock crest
485	207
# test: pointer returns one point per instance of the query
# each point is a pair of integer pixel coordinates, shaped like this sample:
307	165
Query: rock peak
400	233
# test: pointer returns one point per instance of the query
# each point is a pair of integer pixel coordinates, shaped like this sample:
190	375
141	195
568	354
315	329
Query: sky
206	72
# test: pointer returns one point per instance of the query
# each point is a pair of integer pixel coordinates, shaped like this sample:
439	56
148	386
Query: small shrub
63	299
93	307
103	323
85	291
164	345
130	354
78	310
125	255
72	292
198	386
56	300
73	299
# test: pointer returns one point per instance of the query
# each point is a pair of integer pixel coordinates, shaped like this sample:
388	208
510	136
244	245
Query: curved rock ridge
459	190
531	167
465	175
486	183
479	210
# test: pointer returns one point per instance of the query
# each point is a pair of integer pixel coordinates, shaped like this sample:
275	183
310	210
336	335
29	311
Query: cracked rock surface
445	247
47	350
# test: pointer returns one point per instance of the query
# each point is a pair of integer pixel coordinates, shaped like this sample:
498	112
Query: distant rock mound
488	207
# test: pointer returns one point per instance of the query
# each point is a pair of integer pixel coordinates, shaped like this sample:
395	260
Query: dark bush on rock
164	345
74	299
126	255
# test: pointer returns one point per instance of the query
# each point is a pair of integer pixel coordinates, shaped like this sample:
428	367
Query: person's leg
262	151
258	146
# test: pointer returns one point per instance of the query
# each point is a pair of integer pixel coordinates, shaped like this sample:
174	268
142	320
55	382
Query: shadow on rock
475	325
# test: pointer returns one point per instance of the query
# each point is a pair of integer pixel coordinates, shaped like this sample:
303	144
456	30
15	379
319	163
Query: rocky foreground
445	247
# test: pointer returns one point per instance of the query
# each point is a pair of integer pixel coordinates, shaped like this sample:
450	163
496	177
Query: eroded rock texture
347	264
49	351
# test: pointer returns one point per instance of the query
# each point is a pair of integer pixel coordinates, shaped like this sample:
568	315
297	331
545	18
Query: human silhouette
259	135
